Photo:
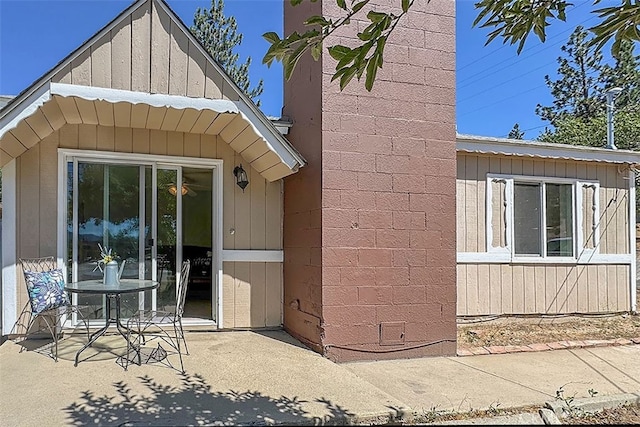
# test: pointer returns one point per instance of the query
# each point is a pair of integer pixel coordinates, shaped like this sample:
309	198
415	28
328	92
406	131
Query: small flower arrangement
106	256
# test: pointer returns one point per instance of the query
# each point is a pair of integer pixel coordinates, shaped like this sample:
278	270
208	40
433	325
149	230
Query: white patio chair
147	325
48	302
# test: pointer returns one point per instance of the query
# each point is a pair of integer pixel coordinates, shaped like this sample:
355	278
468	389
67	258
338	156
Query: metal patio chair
48	302
166	325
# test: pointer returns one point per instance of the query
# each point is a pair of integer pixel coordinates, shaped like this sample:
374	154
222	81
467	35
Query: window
538	217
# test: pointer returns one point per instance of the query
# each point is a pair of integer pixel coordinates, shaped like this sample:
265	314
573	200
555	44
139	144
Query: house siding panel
146	51
254	298
549	288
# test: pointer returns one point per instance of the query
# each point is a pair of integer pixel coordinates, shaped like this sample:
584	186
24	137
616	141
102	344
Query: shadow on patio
231	378
194	402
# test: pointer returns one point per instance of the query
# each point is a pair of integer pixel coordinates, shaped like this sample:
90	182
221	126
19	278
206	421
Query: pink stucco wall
369	227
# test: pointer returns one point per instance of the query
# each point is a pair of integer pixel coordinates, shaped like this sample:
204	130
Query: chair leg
54	335
29	325
175	330
186	349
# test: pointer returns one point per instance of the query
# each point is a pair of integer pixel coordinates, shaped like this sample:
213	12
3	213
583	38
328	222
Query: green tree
593	131
511	20
625	74
515	132
578	113
219	35
579	90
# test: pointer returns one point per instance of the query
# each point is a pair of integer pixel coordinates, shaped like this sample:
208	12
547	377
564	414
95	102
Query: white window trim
507	253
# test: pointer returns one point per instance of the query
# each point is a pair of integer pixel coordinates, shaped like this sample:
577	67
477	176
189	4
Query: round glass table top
97	286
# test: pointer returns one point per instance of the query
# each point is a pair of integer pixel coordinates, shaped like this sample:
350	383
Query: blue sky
495	87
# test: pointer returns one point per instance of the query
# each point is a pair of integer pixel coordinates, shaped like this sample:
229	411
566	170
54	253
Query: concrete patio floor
231	378
268	377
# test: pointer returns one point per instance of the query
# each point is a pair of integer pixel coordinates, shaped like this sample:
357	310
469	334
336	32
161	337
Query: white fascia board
513	147
114	96
31	104
274	140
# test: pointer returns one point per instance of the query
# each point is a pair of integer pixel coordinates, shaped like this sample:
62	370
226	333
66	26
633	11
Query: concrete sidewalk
262	378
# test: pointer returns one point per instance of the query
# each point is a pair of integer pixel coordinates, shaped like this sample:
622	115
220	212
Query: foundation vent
392	333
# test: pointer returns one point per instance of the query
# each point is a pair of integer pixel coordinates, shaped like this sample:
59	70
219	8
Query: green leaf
372	69
316	20
296	2
316	51
337	52
376	16
342	4
347	76
356	7
271	37
405	6
292	60
347	58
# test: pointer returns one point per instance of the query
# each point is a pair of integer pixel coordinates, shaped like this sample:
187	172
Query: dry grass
524	331
535	330
624	415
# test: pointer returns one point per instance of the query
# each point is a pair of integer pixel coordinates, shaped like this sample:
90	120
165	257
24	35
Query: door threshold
202	324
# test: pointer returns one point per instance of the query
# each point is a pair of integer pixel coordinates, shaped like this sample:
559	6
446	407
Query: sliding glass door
152	217
109	210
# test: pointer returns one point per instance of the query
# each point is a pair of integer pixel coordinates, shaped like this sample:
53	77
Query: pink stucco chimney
370	222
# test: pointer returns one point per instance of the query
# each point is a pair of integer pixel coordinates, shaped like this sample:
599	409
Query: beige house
136	139
132	141
544	228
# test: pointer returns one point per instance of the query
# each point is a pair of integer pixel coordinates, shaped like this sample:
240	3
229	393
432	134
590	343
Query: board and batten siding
147	52
541	288
252	292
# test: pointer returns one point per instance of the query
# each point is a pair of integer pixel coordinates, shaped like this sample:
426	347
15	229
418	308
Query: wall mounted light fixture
241	177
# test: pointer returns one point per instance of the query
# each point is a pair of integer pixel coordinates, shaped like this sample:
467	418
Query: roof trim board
516	147
248	130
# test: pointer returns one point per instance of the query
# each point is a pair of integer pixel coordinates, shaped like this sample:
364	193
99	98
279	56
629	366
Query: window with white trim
539	217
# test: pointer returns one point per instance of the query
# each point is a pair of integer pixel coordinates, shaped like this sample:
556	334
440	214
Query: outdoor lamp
241	177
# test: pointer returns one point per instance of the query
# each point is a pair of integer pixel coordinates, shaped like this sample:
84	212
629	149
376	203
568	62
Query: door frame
65	155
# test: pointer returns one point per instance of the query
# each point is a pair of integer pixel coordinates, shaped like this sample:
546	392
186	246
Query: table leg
124	331
100	332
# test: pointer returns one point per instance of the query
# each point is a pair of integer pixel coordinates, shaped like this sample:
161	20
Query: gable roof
281	157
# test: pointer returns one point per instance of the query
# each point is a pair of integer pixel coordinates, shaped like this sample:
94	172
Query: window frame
507	252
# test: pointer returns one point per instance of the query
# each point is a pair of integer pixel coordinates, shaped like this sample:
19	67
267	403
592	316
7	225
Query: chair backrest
182	287
45	284
38	264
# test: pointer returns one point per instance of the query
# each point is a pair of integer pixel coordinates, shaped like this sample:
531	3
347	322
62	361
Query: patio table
97	286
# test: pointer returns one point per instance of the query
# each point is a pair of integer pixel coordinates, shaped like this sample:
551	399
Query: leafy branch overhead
514	20
364	59
511	20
